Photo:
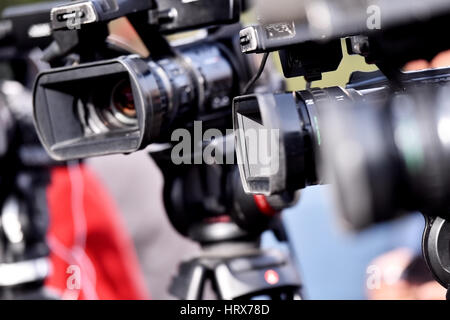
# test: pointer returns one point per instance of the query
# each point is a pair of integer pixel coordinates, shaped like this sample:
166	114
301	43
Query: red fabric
91	254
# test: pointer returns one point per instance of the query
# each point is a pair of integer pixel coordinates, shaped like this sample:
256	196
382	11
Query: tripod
207	204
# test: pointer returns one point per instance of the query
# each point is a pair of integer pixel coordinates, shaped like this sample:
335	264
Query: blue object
333	261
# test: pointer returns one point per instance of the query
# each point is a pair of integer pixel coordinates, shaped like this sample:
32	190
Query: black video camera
103	100
382	141
307	51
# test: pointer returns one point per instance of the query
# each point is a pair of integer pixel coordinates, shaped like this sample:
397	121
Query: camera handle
436	249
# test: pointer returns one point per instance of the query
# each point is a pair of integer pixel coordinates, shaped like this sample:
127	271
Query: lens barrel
285	129
384	160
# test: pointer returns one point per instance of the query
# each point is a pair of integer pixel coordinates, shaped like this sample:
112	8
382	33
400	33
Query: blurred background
334	264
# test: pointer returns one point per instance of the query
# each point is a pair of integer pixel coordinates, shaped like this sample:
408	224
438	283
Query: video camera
309	52
140	99
381	141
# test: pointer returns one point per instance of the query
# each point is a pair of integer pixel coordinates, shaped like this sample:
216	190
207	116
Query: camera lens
123	100
386	159
110	109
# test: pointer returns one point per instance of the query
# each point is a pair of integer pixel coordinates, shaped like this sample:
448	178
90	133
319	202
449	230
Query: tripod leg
189	284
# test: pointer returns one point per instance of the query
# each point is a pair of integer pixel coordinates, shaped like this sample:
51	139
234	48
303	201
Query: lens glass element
122	99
